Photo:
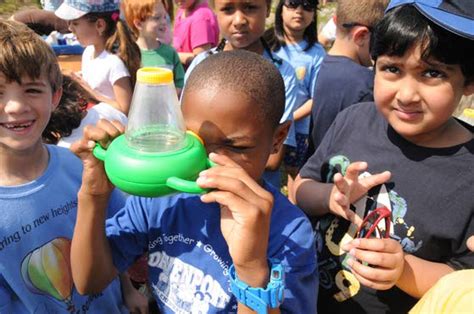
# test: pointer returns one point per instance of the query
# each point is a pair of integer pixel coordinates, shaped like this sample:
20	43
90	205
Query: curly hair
69	113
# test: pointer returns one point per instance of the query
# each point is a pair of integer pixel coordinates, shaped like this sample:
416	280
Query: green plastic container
154	174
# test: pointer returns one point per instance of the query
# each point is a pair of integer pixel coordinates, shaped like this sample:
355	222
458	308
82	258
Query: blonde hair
364	12
24	53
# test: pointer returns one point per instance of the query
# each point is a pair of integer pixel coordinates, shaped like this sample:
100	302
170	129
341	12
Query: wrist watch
260	299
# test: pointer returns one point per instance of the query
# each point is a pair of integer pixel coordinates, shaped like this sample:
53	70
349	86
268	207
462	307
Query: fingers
233	191
377	263
378	279
376	179
375	245
353	170
103	132
214	178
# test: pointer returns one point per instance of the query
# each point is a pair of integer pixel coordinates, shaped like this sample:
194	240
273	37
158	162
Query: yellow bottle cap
469	112
154	75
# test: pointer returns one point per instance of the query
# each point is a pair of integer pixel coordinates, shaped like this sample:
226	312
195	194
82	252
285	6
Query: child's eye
433	74
237	148
390	69
34	91
251	7
227	9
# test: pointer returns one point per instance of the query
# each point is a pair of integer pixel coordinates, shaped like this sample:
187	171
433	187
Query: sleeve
201	32
463	258
298	256
116	202
178	71
127	232
293	99
117	70
313	168
314	73
203	55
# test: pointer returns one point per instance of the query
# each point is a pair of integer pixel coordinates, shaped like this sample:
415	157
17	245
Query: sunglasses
354	24
371	222
294	4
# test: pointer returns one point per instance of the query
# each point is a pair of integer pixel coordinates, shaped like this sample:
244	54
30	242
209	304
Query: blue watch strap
260	299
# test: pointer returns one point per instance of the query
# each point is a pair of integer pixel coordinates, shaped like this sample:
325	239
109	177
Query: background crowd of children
360	130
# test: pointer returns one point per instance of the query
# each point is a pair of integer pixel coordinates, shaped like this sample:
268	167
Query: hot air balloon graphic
47	270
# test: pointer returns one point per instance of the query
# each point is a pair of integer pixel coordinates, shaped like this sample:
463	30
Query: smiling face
418	98
156	25
25	110
242	22
228	125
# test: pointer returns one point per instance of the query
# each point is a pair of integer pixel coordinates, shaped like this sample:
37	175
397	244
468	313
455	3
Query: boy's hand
245	216
349	188
94	179
377	263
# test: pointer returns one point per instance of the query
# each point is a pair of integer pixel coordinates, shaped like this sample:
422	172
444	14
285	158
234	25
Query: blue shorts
296	156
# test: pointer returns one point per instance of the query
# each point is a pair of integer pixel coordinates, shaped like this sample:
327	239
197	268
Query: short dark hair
404	27
245	72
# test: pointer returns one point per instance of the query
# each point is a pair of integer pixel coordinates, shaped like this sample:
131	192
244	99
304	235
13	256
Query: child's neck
24	167
293	37
344	49
256	47
147	43
98	48
191	8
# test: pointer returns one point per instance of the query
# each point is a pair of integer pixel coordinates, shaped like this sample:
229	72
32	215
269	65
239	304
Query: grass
8	7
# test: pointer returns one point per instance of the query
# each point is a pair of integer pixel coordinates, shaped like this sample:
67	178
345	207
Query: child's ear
361	35
56	97
281	132
138	24
100	26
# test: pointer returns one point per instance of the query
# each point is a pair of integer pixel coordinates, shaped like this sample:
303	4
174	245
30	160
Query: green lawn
8	7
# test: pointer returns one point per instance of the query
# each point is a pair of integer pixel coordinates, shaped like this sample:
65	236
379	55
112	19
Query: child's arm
122	91
303	111
91	258
246	210
380	264
123	94
187	57
317	198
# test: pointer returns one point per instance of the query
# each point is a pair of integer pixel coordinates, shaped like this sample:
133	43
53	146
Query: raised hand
349	188
94	179
245	216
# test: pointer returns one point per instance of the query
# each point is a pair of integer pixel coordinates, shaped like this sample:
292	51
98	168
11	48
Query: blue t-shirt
306	65
340	83
189	258
36	227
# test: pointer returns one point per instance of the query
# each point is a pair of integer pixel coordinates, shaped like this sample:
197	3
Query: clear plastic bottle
155	122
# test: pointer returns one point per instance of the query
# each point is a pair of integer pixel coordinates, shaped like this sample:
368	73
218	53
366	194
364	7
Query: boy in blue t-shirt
234	101
38	187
